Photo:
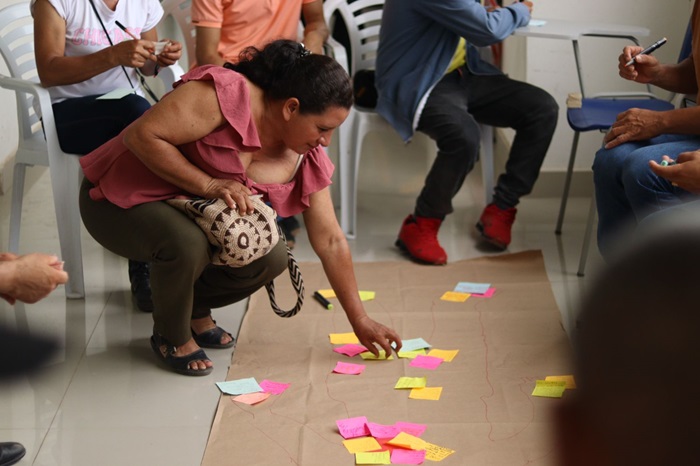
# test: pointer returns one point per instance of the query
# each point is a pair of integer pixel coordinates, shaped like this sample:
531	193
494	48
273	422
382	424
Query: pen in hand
123	28
647	50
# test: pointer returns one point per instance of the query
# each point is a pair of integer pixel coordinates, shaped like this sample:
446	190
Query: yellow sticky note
379	457
343	338
549	389
362	444
436	453
382	356
411	354
427	393
569	379
410	382
455	297
405	440
445	355
367	295
328	294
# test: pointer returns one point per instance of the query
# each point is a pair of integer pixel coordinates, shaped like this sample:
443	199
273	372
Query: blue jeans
626	188
83	124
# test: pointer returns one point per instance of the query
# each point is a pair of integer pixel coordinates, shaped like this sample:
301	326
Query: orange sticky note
405	440
252	398
343	338
455	296
445	355
427	393
362	444
568	379
436	453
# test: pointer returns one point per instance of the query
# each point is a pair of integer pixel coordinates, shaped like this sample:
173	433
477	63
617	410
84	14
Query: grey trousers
185	284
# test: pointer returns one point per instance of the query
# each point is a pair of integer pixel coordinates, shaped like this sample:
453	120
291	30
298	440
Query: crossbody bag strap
297	283
144	84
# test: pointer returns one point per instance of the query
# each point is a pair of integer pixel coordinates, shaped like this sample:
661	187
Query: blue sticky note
414	344
536	22
240	386
467	287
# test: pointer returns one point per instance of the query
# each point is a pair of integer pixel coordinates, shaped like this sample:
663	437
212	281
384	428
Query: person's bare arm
329	243
55	69
187	114
315	30
637	124
208	46
646	69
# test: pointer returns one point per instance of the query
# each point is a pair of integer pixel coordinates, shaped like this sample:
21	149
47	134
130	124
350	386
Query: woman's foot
187	359
208	335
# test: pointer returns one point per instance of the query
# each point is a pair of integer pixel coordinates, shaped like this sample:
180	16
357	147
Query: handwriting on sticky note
569	379
240	386
427	393
414	344
426	362
379	457
363	444
352	427
273	388
410	428
351	349
405	440
343	338
410	382
382	431
382	356
445	355
251	398
436	453
349	368
410	354
454	296
489	293
401	456
547	389
469	287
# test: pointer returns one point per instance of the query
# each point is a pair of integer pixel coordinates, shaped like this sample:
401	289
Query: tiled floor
103	400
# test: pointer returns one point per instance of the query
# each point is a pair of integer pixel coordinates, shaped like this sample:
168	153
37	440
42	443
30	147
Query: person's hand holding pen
146	49
644	68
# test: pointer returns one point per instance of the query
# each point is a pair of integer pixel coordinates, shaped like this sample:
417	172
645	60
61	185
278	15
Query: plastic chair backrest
17	49
363	19
177	17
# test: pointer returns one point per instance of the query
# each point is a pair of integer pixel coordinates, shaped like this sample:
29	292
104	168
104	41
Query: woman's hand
132	53
370	332
234	194
644	69
634	124
685	173
170	54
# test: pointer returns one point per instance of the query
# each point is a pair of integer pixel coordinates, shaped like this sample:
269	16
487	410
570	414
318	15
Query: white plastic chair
17	49
177	21
363	19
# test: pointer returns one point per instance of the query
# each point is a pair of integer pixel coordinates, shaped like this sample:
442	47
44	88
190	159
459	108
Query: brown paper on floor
485	413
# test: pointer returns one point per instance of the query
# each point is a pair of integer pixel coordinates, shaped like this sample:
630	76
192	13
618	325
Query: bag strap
297	283
144	84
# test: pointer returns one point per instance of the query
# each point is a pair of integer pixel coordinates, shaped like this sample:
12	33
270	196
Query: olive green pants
184	282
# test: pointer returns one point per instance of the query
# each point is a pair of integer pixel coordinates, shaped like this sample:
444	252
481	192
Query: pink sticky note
426	362
411	428
353	427
251	398
401	456
351	349
349	368
488	293
274	388
382	431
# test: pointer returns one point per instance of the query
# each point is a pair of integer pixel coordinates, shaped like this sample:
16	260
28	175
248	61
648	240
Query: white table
574	30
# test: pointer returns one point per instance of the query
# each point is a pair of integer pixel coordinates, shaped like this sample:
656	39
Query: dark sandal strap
180	364
212	338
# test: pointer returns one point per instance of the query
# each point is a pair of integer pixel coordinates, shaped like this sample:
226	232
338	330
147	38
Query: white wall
550	64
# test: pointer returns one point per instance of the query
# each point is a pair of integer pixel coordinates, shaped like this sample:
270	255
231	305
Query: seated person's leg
446	120
532	112
84	123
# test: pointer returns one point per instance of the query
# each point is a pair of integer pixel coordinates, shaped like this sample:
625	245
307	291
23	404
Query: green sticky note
411	354
116	94
382	355
410	382
549	389
378	457
367	295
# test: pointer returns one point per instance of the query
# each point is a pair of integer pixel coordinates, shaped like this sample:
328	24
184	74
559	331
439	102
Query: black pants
451	117
84	123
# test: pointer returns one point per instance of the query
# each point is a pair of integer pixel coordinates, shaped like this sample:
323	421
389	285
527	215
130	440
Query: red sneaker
495	224
418	237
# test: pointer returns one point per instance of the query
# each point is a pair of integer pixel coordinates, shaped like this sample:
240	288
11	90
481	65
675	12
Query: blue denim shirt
416	43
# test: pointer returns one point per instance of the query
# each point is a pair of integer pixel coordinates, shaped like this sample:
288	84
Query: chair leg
345	151
487	162
567	183
587	238
16	208
65	180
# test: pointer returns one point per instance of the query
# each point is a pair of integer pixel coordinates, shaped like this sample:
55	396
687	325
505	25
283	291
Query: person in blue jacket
430	78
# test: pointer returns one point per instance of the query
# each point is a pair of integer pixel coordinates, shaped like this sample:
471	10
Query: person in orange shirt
226	27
